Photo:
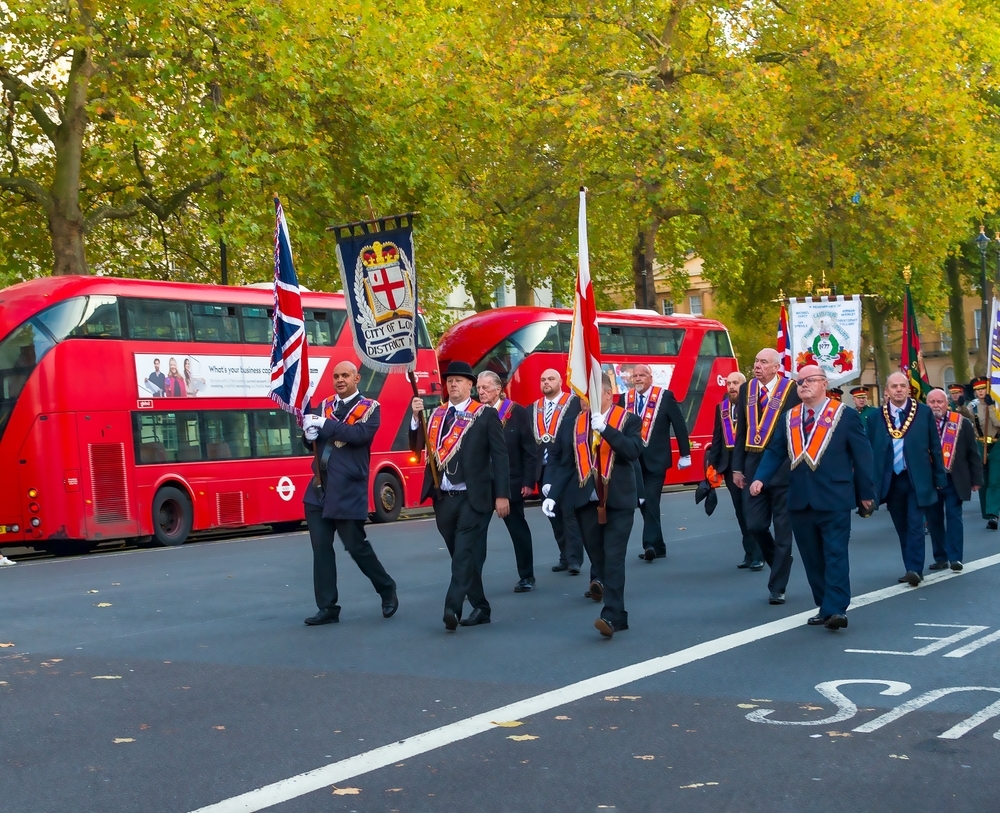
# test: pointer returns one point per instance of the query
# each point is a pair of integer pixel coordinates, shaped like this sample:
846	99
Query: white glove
684	462
311	433
313	422
599	424
549	508
545	489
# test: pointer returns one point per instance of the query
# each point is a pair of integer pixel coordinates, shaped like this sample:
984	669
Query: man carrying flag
596	453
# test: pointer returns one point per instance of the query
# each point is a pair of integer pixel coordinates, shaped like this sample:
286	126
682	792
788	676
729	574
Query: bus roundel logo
286	488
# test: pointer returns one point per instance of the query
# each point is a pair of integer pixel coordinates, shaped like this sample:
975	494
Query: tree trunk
876	323
524	293
956	310
643	259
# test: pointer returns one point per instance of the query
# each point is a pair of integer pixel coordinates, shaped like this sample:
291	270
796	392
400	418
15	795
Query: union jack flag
783	344
289	352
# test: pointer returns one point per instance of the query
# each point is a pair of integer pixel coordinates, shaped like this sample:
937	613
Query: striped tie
549	406
898	463
762	399
809	422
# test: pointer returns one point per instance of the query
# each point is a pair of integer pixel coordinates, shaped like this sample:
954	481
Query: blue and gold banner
380	287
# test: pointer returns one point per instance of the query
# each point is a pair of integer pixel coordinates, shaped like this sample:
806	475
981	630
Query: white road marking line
352	767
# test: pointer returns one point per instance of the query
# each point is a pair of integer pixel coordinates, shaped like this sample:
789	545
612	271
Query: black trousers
606	547
352	534
520	535
652	530
566	530
461	527
751	550
759	512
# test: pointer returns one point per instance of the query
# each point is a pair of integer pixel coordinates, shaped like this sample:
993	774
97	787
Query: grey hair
891	376
489	375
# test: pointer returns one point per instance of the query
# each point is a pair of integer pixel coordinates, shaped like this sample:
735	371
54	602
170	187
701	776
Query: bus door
106	482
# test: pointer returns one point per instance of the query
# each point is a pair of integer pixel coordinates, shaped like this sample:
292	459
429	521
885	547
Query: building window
977	321
948	375
667	307
946	334
694	304
501	296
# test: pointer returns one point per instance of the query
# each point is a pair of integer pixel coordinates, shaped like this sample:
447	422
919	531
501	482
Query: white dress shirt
446	484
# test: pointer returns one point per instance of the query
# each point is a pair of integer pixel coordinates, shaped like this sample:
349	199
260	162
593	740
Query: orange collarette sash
949	438
359	412
588	449
760	424
810	449
447	447
649	411
543	433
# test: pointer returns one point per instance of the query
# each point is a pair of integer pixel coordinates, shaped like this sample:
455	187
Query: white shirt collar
462	407
555	398
818	410
894	409
770	385
337	401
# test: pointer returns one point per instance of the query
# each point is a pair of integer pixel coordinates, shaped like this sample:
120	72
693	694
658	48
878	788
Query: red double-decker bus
138	410
689	355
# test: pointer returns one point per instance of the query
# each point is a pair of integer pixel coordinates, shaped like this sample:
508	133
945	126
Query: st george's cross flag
783	344
289	352
584	367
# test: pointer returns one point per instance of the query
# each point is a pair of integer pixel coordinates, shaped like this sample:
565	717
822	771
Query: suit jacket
623	490
346	494
482	458
966	465
921	451
572	409
657	455
718	456
843	477
747	461
521	453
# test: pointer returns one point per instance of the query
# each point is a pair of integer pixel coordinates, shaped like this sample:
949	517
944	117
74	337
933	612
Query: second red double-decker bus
132	409
689	355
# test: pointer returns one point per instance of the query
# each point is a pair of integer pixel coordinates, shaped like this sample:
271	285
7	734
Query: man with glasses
830	440
761	406
907	469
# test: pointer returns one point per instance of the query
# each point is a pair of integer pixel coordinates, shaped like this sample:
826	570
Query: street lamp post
982	242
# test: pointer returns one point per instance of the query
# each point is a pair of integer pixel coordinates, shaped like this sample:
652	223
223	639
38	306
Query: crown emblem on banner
380	254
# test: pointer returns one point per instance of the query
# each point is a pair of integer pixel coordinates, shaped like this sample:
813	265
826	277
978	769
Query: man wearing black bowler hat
470	455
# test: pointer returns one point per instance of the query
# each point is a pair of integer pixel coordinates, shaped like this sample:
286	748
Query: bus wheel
388	493
286	527
172	517
68	547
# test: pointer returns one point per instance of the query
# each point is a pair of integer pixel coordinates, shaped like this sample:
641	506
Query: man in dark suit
591	465
470	459
760	407
336	502
719	456
830	440
521	459
964	472
907	469
658	413
548	413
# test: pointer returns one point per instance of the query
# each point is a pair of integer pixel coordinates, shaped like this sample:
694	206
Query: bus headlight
15	529
32	493
35	522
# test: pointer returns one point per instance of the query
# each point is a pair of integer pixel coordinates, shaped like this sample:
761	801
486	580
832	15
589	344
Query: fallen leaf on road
612	698
563	717
92	591
682	528
695	785
106	677
393	790
4	646
631	697
746	705
760	700
219	727
811	707
144	727
509	724
898	756
118	740
116	584
837	734
4	683
55	660
103	604
522	737
346	791
644	756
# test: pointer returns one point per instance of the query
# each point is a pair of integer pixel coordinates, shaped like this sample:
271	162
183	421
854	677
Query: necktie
640	404
549	407
762	399
941	427
898	463
809	422
339	410
449	422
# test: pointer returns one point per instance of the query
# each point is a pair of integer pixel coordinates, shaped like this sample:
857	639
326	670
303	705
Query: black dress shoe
477	616
574	570
559	568
621	627
756	565
596	591
524	586
991	523
648	554
326	616
939	566
817	620
450	621
390	605
836	622
901	579
776	598
743	565
912	578
956	566
604	627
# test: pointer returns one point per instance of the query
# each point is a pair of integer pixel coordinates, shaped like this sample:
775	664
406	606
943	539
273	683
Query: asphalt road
181	679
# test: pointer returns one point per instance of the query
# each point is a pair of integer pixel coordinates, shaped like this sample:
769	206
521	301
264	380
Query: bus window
257	325
227	435
274	433
20	353
166	437
505	358
635	341
423	337
612	340
323	327
371	382
83	317
158	319
712	345
665	341
215	323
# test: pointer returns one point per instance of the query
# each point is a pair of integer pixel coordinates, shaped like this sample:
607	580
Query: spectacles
811	379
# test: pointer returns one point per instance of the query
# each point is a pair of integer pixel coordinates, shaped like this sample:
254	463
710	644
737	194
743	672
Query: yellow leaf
345	791
106	677
746	705
102	604
393	790
118	740
219	727
837	734
5	646
563	717
522	737
509	724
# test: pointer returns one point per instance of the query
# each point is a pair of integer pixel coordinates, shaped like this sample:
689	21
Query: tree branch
32	190
21	91
176	200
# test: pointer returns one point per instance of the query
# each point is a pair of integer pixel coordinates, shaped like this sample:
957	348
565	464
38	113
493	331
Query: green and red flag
911	363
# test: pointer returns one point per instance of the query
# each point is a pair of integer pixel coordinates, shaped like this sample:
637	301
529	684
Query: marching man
987	420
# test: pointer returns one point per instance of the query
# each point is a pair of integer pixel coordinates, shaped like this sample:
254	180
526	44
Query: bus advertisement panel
691	356
133	409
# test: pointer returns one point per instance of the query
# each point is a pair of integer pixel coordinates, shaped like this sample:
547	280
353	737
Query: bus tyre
290	527
68	547
172	517
388	497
